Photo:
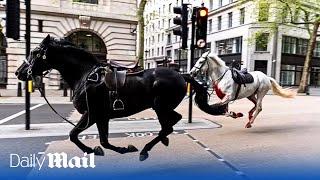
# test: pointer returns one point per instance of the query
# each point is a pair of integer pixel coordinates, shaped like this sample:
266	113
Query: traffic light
201	28
182	21
13	19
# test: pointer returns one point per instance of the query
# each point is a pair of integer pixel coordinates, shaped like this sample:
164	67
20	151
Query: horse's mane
72	48
217	58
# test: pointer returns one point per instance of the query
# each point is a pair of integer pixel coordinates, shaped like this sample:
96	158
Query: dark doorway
3	62
90	42
261	65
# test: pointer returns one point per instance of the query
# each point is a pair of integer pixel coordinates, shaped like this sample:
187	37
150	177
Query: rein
45	98
29	72
219	79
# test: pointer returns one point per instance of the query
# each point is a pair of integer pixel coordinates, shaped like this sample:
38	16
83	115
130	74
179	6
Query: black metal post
65	89
179	60
19	90
193	21
27	38
71	95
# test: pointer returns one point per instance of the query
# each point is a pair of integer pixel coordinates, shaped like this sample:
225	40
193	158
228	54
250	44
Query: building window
176	54
317	50
87	1
302	46
170	7
40	25
169	39
242	15
169	23
211	4
262	42
263	10
289	45
169	54
219	23
229	46
210	26
287	75
230	19
220	3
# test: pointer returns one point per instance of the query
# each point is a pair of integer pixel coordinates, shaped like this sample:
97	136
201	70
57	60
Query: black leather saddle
241	77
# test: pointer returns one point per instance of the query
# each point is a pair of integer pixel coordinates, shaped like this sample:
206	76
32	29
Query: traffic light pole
192	47
27	38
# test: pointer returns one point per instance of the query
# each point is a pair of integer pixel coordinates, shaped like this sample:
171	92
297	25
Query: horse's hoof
248	125
132	148
233	115
239	115
98	151
165	141
143	156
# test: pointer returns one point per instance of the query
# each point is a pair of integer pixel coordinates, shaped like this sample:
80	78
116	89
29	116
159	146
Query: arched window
90	42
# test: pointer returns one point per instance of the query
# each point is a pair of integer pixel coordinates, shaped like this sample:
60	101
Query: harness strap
238	92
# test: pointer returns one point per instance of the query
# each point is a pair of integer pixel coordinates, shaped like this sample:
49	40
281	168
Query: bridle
205	61
43	55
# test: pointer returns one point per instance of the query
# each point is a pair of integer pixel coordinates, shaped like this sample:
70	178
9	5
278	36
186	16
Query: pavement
283	143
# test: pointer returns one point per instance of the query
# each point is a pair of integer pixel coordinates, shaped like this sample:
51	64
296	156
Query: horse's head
201	65
207	62
37	62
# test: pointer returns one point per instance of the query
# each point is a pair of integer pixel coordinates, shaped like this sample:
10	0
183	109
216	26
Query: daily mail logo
53	160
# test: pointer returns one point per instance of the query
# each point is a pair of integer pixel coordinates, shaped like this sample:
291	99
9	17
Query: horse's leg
258	109
103	128
253	99
167	121
82	125
225	100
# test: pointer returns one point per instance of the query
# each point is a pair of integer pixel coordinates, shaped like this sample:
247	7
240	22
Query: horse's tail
278	90
201	98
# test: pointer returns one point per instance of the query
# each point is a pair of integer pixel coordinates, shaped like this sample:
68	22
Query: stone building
232	27
107	28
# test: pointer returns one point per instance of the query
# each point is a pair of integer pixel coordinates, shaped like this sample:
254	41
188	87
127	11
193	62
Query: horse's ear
205	54
46	40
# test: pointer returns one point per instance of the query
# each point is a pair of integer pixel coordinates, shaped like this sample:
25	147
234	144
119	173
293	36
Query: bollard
43	89
71	95
65	90
19	91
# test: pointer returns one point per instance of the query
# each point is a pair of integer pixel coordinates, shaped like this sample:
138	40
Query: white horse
226	88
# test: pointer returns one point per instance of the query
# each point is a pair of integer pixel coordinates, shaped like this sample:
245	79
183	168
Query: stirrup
118	105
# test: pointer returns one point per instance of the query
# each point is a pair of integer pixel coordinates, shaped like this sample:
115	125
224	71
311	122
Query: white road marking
19	114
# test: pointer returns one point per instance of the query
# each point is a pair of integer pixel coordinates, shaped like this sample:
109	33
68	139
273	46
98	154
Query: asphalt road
42	114
282	144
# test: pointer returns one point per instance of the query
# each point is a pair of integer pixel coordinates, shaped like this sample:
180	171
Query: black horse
161	89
